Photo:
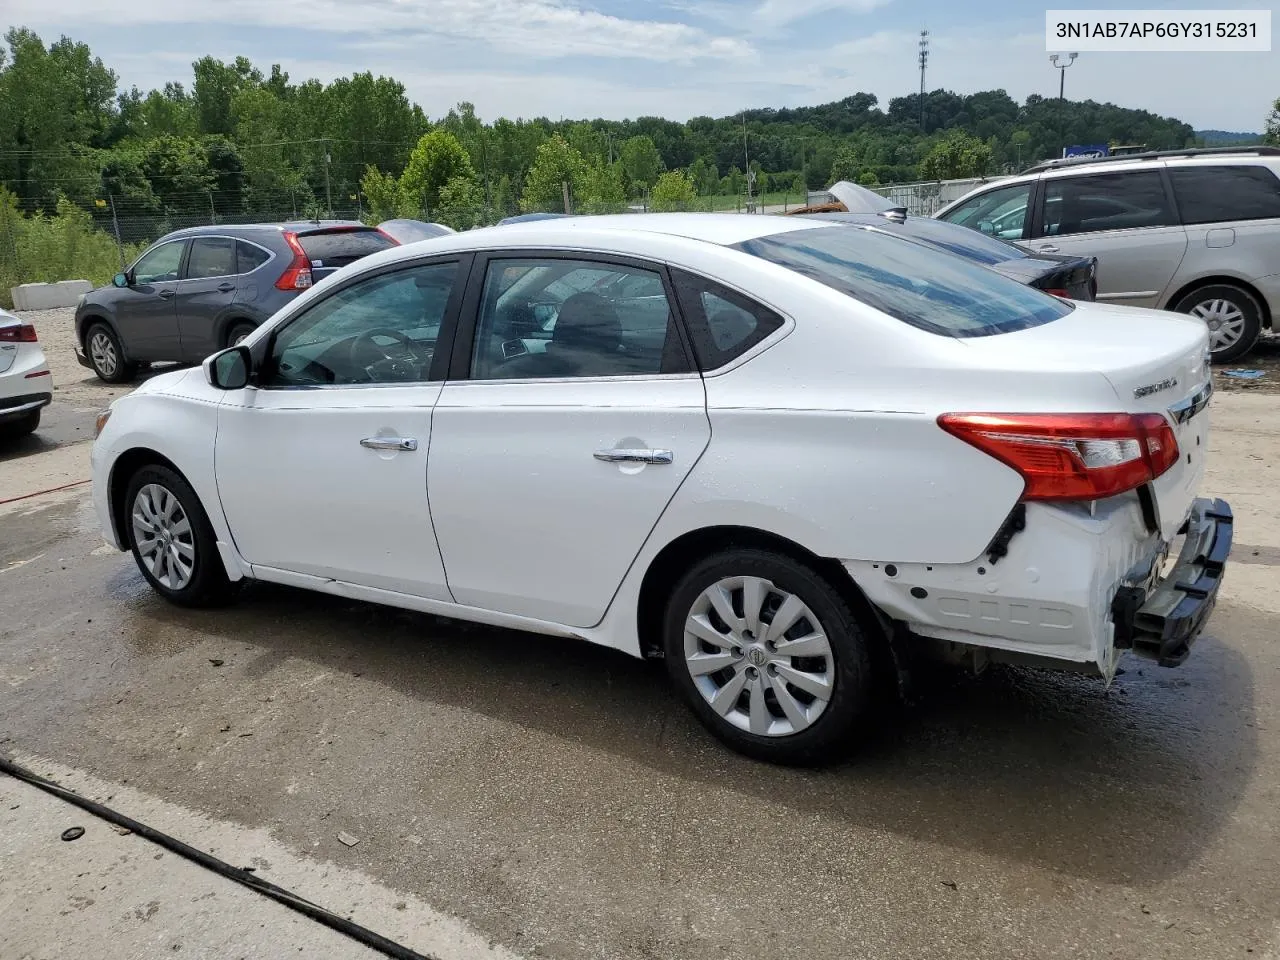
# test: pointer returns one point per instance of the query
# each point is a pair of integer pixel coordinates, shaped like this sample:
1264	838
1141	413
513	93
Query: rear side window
211	257
1105	201
337	248
1215	194
250	257
723	325
923	287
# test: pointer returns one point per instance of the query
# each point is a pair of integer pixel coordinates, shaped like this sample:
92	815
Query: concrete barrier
48	296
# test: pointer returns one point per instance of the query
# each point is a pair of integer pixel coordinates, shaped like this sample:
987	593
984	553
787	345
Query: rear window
337	248
926	288
1216	194
956	239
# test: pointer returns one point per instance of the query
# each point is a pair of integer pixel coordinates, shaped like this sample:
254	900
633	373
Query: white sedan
785	455
26	386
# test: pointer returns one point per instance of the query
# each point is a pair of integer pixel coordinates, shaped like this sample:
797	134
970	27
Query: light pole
1070	58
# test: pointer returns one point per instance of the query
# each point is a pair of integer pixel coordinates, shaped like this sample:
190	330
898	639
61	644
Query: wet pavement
560	800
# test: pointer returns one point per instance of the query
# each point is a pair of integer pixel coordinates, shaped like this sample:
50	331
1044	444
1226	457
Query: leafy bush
46	249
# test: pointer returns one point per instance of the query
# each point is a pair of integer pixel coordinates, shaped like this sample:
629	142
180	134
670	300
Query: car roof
295	226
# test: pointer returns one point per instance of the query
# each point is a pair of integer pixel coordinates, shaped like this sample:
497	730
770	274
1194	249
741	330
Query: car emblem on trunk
1150	388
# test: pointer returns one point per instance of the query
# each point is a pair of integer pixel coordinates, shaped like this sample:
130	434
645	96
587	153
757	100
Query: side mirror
228	370
120	280
987	227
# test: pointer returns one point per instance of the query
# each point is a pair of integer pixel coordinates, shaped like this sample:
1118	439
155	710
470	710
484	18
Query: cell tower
924	62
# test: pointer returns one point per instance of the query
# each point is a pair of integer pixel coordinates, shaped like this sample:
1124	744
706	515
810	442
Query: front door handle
390	443
226	287
634	456
165	294
1047	248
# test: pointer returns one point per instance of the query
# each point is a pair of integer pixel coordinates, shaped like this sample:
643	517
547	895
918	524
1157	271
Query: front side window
379	330
211	257
556	318
1105	201
159	264
1219	194
1001	212
923	287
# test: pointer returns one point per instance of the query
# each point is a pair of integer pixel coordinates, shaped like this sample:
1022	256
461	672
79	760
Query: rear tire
21	427
238	332
102	347
792	697
172	540
1233	316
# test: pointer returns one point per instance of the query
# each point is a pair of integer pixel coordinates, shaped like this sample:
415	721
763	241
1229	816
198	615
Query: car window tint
926	288
159	264
555	318
211	257
337	248
1001	212
1106	201
948	236
379	330
722	324
1221	193
250	257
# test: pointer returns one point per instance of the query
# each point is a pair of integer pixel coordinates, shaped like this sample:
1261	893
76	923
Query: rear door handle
1047	248
390	443
165	294
226	287
634	456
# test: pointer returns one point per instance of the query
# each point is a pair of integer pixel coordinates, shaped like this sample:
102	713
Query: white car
26	386
780	453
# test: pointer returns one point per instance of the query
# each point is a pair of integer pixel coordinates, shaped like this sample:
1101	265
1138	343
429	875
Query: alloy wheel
1225	320
103	353
758	655
163	534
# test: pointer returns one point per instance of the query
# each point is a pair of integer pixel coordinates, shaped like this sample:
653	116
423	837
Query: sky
670	58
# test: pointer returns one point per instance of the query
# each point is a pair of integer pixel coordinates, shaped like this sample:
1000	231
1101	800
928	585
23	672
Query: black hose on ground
209	862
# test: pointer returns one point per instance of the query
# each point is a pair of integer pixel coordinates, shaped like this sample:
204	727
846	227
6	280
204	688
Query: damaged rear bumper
1160	617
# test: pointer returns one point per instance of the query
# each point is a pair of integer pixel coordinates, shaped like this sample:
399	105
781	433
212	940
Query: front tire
1233	316
102	346
770	656
172	540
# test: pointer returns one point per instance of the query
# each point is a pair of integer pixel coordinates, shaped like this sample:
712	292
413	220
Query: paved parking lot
557	801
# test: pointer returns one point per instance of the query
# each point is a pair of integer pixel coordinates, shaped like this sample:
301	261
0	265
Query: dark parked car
1072	277
198	290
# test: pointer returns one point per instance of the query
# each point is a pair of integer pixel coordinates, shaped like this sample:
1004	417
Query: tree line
238	142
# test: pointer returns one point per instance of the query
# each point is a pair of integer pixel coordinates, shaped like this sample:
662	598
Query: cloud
778	13
532	28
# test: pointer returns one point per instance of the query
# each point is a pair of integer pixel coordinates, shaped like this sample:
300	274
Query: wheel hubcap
759	656
1225	322
162	531
103	353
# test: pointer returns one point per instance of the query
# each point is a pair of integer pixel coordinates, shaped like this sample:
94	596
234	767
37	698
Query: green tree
462	204
603	190
957	155
383	198
1272	135
673	191
845	166
215	88
437	159
555	164
641	162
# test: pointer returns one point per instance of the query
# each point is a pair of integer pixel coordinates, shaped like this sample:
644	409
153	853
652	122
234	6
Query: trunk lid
1156	361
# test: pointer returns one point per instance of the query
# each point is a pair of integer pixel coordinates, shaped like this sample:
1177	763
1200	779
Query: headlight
101	422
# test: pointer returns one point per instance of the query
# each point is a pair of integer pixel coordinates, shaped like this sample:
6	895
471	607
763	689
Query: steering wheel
394	363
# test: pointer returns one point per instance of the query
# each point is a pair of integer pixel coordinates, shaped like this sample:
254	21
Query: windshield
924	287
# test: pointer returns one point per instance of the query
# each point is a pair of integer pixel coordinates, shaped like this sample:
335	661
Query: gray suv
1196	231
196	291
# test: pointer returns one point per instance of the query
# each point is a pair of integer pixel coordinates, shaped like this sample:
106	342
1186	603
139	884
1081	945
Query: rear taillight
389	237
22	333
1059	292
298	274
1072	456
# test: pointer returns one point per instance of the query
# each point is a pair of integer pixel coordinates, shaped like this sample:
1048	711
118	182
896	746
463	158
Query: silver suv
1196	231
